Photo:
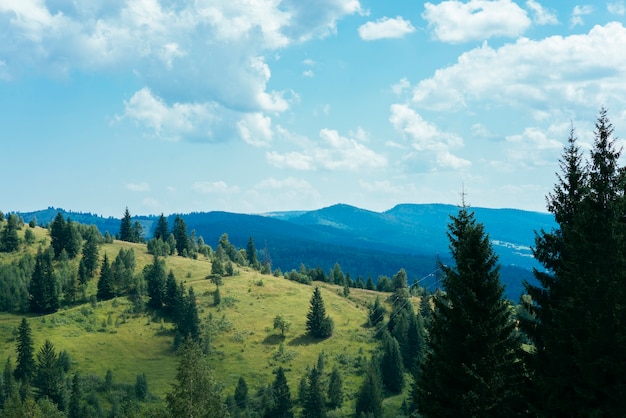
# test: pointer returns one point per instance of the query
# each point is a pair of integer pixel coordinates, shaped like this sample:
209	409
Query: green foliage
576	318
25	367
162	230
251	254
90	257
376	313
29	237
318	324
64	236
194	391
9	240
43	289
15	279
49	379
141	387
282	324
472	368
335	389
154	275
126	227
314	405
241	393
105	282
123	269
391	365
180	235
369	400
281	405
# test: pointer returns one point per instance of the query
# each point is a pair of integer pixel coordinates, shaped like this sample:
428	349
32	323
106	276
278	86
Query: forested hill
363	242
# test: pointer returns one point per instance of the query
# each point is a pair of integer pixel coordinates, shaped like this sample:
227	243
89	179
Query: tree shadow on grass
274	339
304	339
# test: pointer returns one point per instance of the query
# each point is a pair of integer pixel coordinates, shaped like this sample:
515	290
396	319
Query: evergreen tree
376	313
180	234
336	275
318	324
172	296
335	389
577	321
314	405
251	255
281	405
58	234
369	285
25	367
90	256
73	239
49	381
9	240
141	387
369	400
43	289
105	282
74	410
155	277
241	393
126	227
472	368
137	232
191	324
123	269
391	365
194	392
162	230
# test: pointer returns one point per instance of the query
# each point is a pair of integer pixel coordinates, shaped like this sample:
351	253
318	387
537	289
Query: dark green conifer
43	288
241	394
369	400
105	282
391	365
318	324
25	367
314	405
9	241
335	389
162	230
126	227
281	406
49	381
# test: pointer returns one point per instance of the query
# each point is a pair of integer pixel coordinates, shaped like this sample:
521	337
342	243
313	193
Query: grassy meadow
105	336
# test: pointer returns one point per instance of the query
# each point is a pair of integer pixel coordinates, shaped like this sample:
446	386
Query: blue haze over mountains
364	243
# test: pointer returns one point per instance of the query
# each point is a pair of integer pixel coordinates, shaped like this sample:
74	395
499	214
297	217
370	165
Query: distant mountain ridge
363	242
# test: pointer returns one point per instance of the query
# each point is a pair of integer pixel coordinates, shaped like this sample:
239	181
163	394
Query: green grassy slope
243	341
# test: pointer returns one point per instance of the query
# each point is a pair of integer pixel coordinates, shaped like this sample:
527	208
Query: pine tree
314	405
126	227
376	313
391	366
472	368
105	282
194	392
49	381
73	239
369	400
281	406
251	253
162	230
155	277
335	389
191	322
90	256
74	410
577	319
318	324
25	367
43	288
180	234
241	393
58	234
9	240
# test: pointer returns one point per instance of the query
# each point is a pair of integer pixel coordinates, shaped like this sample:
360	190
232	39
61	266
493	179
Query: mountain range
364	243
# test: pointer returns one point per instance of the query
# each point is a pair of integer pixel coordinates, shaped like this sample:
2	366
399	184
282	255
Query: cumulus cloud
535	147
580	70
332	152
385	28
455	22
218	187
576	18
256	129
427	139
187	53
541	15
617	8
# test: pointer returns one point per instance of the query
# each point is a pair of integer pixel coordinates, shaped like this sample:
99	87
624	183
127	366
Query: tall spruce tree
314	405
105	282
126	227
43	288
281	405
335	389
49	380
369	401
318	324
90	257
25	367
472	368
180	234
162	230
578	321
58	233
9	240
155	277
251	253
391	365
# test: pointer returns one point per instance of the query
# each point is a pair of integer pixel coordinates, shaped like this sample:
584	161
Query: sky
253	106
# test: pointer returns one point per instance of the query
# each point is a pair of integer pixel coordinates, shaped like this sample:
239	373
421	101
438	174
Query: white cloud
138	187
171	122
427	139
584	70
454	21
219	187
334	152
385	28
256	129
541	16
617	8
401	86
576	18
308	73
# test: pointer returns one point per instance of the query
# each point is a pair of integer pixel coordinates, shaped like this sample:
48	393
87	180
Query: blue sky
253	106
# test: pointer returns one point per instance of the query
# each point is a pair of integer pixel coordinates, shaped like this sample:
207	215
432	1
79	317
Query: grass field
242	339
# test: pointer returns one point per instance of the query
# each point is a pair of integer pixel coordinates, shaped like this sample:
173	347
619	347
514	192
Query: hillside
108	336
364	243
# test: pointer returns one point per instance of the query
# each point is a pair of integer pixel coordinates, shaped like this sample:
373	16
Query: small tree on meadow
318	324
